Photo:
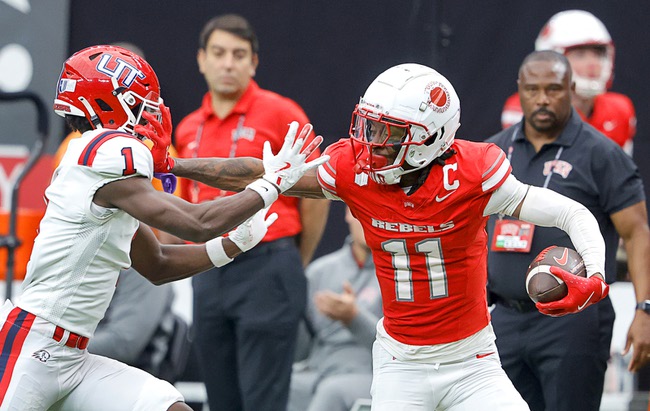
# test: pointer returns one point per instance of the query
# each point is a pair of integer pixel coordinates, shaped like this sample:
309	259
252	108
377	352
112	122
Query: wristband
266	190
216	253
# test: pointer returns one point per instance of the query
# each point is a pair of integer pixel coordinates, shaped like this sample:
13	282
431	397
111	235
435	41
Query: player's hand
341	307
249	233
284	169
638	338
583	292
161	137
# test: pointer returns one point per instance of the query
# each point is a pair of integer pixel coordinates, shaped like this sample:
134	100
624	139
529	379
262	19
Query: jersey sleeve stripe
88	155
494	165
499	175
327	178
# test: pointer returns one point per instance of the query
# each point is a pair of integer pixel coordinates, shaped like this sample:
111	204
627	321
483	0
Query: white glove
249	233
288	166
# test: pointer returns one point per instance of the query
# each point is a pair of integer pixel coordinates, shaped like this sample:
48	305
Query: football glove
249	233
284	169
168	181
582	293
161	137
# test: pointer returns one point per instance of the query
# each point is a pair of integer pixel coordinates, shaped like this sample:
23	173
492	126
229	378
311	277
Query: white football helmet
409	108
575	28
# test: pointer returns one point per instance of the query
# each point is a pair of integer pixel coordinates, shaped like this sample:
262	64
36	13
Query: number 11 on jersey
436	274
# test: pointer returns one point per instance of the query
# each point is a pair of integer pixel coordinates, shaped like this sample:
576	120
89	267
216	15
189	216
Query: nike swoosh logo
440	199
479	356
581	306
565	257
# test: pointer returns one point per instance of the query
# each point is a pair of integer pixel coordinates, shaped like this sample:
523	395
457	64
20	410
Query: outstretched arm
162	263
234	174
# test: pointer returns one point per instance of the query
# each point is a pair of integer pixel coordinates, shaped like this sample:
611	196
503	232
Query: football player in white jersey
98	200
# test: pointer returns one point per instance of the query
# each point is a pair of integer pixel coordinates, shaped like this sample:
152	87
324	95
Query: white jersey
81	247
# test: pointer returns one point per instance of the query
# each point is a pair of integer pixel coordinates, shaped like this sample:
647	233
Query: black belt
522	306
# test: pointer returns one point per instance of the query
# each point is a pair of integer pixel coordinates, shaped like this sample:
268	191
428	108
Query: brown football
545	287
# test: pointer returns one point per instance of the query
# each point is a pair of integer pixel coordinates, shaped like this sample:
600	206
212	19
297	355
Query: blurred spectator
246	315
138	328
342	313
585	41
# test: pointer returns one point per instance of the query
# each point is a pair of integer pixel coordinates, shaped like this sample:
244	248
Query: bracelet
216	253
265	189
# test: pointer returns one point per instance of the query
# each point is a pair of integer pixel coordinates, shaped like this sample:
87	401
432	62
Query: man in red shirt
585	41
423	199
246	317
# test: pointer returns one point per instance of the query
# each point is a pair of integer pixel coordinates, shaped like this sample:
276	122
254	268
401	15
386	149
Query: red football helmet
109	85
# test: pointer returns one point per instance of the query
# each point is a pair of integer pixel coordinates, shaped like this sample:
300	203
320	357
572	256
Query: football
544	287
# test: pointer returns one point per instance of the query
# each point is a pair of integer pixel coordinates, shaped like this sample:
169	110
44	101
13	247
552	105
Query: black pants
246	316
556	364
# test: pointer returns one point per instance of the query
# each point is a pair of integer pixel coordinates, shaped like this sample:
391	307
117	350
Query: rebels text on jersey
429	247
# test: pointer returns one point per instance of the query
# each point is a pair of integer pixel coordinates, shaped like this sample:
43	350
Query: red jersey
259	116
430	247
613	115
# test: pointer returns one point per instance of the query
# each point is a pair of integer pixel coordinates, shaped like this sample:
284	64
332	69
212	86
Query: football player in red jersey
423	199
585	41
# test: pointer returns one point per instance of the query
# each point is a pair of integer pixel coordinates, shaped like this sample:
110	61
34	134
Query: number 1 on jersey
129	166
436	273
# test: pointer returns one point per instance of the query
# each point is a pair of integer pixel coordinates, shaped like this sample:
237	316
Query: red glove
161	137
583	292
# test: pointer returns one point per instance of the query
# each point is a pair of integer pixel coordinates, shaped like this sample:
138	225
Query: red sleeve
327	171
496	168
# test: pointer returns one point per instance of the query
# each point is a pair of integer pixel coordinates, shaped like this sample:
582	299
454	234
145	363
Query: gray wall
33	45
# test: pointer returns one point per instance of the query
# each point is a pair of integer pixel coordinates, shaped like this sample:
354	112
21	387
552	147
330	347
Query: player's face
387	137
587	61
545	89
227	63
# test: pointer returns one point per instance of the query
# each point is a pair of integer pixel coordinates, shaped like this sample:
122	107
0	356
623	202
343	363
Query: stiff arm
234	174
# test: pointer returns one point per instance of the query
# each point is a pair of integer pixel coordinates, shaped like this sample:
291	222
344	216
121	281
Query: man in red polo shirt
585	41
246	317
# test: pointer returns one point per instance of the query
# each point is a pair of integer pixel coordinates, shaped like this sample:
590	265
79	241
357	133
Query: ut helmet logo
117	72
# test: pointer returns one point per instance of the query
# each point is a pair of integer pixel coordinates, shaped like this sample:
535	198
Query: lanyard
557	156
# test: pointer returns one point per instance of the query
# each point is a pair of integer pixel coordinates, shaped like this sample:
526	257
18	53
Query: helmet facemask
374	136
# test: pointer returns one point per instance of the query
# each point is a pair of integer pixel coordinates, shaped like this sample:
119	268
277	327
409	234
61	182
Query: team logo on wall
438	96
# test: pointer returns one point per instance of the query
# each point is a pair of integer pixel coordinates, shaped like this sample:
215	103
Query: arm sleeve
547	208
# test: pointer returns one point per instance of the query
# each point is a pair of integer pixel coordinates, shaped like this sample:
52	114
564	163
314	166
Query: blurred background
321	53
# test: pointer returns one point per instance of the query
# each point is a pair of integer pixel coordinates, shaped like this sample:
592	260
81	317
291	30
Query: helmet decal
438	97
407	117
120	67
